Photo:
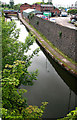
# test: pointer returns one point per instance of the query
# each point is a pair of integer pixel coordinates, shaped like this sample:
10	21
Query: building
27	12
76	4
42	7
10	12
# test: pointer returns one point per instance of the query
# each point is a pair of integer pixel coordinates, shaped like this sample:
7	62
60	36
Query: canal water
54	84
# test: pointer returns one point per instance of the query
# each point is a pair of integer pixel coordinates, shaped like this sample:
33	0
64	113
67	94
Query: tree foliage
11	3
43	3
71	115
17	7
19	70
14	73
72	11
14	105
12	49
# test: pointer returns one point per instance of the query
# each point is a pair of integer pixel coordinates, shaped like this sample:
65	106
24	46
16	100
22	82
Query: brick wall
24	7
38	7
62	37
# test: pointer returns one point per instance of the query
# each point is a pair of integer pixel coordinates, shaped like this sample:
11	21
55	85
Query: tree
17	7
14	106
12	3
19	70
15	72
73	11
71	115
43	3
2	5
12	49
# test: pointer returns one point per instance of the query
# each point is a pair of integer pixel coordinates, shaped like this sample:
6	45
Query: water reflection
50	87
70	80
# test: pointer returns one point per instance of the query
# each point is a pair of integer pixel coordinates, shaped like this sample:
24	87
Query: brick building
41	7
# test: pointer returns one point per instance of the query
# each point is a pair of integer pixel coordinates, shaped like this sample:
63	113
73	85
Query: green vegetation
75	24
19	70
5	6
37	22
71	116
12	49
14	73
14	105
31	16
10	6
43	3
73	11
61	8
60	34
17	7
11	3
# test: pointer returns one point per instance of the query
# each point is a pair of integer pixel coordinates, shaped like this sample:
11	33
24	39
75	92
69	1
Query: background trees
17	7
73	11
12	3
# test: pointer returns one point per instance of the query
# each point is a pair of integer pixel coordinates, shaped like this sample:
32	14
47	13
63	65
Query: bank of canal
55	54
54	85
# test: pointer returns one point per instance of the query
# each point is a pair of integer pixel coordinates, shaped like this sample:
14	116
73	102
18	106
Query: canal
54	84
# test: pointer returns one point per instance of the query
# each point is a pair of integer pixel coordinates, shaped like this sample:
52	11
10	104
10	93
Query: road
64	21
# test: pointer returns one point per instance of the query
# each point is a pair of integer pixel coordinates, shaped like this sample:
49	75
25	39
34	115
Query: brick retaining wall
62	37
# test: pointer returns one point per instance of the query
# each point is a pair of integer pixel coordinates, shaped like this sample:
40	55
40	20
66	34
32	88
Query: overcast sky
55	2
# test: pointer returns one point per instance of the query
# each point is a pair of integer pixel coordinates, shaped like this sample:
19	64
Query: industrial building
42	8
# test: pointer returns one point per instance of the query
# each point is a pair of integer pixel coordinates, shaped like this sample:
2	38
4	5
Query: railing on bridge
10	12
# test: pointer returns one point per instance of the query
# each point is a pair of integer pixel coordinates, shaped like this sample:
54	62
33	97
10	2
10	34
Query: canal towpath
66	64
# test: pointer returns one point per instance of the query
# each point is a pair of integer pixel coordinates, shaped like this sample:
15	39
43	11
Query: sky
64	3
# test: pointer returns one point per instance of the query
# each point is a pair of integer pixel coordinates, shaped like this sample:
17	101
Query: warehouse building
42	8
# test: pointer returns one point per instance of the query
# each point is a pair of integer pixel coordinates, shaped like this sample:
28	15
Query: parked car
63	14
73	17
73	21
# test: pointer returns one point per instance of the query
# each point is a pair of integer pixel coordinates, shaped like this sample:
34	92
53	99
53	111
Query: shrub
60	34
37	22
70	116
31	16
73	11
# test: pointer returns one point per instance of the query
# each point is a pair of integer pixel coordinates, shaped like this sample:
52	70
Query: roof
31	10
10	10
24	4
28	10
46	5
36	11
